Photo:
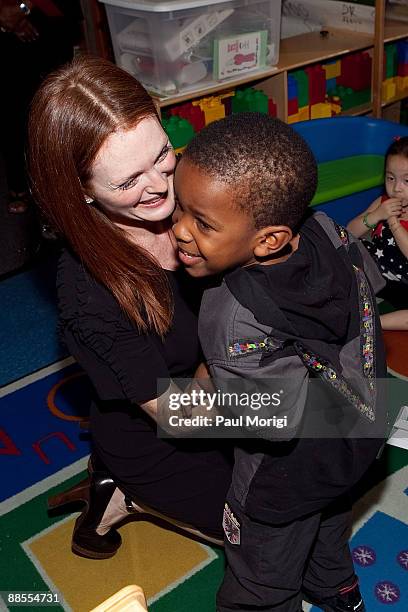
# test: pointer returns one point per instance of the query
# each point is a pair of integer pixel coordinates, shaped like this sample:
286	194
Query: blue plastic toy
341	137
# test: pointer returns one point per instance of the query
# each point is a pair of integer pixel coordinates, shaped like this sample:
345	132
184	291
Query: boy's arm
271	392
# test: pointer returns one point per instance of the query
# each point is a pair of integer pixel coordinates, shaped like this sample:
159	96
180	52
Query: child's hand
390	208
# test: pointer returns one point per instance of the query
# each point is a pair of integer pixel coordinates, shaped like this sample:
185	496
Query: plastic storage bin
176	46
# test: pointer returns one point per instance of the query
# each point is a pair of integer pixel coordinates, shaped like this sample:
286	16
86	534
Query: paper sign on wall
238	54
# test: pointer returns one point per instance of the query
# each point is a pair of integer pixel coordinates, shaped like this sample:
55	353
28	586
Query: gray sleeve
375	277
269	396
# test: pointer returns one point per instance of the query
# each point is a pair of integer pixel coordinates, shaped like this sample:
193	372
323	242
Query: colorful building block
193	114
330	84
402	51
293	118
293	106
335	104
302	80
272	108
390	60
292	88
389	89
179	130
320	110
317	84
402	84
212	107
250	100
402	70
304	113
350	98
332	69
356	71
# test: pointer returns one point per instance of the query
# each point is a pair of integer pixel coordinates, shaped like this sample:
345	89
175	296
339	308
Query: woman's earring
88	199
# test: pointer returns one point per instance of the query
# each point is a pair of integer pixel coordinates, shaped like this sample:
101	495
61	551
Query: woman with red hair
101	169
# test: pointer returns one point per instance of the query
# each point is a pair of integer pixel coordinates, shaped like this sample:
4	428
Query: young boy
295	300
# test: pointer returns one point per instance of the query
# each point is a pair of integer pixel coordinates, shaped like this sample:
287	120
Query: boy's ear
272	239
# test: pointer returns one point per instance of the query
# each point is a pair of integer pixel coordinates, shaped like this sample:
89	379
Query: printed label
238	54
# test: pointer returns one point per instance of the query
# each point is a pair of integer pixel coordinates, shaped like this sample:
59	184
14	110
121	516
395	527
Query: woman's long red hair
72	114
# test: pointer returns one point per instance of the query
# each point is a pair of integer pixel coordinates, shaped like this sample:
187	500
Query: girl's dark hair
72	114
399	146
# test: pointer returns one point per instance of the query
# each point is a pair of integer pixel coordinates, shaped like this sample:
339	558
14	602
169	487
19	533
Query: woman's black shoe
93	536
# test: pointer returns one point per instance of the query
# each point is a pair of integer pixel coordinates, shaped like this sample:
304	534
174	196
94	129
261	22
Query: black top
124	365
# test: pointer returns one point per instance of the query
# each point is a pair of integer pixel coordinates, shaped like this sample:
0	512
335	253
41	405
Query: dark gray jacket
311	318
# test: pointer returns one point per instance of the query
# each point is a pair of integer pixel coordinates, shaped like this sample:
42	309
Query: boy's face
212	234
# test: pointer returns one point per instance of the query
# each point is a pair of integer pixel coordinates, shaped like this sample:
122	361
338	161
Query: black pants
272	564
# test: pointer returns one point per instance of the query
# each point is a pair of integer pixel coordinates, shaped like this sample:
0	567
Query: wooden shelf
250	77
312	47
397	98
395	30
363	109
295	52
298	52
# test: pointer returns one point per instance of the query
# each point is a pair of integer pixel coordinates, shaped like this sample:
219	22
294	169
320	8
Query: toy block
302	80
335	104
193	114
317	84
320	110
250	100
389	89
390	60
350	98
293	106
212	107
402	70
402	51
292	88
293	118
402	84
356	71
304	113
238	102
272	108
332	70
260	102
179	130
330	84
227	102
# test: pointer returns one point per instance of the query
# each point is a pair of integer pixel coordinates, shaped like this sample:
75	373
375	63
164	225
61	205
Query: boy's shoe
348	599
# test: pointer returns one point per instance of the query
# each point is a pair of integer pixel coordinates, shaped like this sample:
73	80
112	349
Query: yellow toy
212	107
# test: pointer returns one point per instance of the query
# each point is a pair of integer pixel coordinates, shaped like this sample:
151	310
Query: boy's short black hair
269	167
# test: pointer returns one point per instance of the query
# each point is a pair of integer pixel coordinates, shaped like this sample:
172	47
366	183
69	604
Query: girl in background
387	221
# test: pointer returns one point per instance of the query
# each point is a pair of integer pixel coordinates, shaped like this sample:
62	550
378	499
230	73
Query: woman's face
132	175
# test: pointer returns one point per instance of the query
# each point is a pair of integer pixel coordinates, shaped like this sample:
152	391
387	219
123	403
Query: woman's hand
202	371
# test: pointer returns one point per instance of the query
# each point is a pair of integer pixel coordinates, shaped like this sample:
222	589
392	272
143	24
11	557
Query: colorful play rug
42	444
43	449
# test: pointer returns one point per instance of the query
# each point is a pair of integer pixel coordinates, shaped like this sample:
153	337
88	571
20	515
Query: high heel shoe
105	506
93	535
